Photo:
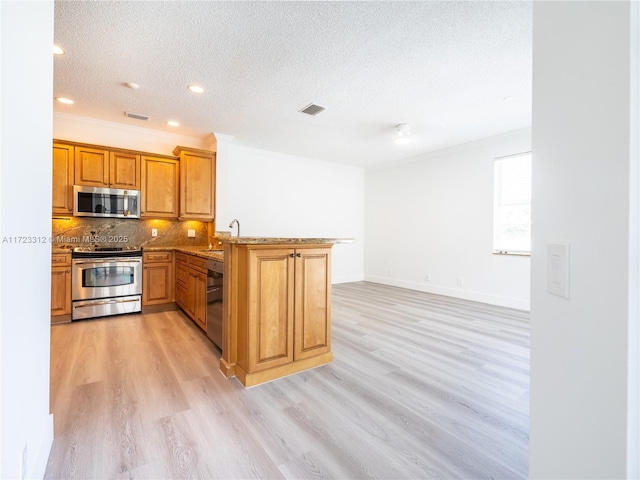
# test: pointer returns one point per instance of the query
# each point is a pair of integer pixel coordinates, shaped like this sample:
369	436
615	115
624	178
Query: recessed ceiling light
58	50
508	98
132	86
195	89
173	123
66	101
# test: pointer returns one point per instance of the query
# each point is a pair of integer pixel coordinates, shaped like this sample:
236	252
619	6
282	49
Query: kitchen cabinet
157	278
62	174
197	183
281	310
191	287
97	167
60	287
160	187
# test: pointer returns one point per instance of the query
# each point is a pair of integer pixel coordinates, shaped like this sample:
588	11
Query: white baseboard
482	297
44	449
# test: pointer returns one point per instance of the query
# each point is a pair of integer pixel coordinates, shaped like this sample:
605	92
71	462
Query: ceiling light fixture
132	86
173	123
195	89
66	101
58	50
403	134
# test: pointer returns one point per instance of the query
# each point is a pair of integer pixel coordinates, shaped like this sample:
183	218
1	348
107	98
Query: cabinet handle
292	255
68	270
298	255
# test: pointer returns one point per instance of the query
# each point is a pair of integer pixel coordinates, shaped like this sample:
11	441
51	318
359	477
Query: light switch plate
154	232
558	269
191	233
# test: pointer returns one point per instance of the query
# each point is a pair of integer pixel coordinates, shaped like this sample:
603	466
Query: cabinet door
312	302
200	298
91	167
270	308
124	170
62	191
197	184
190	300
157	283
60	290
160	180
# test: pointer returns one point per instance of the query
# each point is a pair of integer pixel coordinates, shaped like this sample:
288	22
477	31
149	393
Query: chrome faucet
235	220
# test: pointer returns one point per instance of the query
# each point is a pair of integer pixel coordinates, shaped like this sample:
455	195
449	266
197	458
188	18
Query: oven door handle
108	260
91	303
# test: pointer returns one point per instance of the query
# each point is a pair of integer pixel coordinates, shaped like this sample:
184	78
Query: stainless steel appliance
105	202
215	290
105	281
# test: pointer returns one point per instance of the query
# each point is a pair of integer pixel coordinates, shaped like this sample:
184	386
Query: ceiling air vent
312	109
137	116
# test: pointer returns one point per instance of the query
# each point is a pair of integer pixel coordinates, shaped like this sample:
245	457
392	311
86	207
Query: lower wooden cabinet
191	287
282	311
60	287
157	278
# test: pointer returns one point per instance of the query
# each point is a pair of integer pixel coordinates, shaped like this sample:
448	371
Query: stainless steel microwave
105	202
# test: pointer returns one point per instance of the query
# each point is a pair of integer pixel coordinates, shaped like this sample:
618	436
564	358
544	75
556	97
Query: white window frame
501	207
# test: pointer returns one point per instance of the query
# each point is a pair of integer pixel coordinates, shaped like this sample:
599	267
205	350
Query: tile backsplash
114	232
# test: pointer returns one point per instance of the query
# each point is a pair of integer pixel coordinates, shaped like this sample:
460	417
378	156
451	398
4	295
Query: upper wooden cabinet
197	183
160	185
95	167
62	191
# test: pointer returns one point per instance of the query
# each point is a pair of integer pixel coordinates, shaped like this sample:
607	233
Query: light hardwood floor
421	386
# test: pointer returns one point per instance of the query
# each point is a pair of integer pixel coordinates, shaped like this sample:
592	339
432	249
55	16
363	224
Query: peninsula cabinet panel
270	315
312	302
197	183
277	310
124	170
63	171
160	187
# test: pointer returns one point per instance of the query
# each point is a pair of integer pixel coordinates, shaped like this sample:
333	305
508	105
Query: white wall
433	215
584	401
26	33
277	195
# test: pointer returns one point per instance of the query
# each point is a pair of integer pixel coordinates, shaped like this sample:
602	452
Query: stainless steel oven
105	281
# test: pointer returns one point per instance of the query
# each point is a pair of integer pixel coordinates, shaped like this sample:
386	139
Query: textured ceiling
442	67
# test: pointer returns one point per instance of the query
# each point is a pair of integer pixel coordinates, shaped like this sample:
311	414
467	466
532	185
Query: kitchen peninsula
277	306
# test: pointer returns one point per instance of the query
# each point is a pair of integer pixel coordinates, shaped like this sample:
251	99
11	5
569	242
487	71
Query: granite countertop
61	249
283	241
199	251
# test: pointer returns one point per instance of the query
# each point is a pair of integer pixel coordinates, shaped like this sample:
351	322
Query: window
512	205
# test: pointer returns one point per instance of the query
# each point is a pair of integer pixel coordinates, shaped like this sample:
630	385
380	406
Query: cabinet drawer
198	263
151	257
182	258
181	275
60	259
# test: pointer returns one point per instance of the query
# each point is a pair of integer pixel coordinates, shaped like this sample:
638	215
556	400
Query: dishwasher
215	290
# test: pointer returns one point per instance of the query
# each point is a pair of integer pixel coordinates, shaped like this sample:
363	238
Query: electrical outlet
154	232
191	233
427	278
390	272
460	281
